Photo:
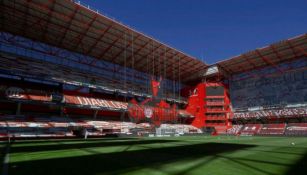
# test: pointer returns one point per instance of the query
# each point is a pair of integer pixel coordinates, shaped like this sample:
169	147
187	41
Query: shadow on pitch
300	167
39	140
84	144
120	162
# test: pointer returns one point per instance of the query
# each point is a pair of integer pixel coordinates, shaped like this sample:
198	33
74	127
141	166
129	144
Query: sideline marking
6	160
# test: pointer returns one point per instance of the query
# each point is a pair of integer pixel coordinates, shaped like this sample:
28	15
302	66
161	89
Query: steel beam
150	52
293	49
50	12
267	60
137	51
72	16
125	47
82	35
109	47
91	48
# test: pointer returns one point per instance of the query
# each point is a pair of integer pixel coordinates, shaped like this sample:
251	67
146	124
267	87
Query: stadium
81	93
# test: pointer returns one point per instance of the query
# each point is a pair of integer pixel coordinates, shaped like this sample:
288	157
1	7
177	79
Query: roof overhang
272	55
72	26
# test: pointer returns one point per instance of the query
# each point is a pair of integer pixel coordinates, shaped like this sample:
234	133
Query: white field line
6	160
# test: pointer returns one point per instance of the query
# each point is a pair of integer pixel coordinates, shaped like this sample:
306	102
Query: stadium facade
67	69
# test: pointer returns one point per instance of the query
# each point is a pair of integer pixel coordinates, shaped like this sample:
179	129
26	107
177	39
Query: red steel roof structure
72	26
272	55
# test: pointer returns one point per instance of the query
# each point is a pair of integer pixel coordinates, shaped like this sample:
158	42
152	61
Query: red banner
94	102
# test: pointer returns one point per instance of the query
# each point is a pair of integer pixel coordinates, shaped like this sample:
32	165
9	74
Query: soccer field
220	155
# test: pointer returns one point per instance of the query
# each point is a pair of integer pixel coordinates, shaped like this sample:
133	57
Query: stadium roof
69	25
283	51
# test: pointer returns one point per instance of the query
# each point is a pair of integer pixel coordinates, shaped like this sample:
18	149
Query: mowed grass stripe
74	152
172	155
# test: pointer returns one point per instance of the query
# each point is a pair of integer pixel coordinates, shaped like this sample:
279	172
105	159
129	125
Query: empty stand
250	129
234	130
22	126
297	129
272	129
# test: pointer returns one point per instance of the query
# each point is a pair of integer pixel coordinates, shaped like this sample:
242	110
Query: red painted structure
210	110
153	109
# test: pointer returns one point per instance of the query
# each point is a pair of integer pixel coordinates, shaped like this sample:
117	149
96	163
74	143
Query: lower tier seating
234	130
181	128
251	129
20	126
297	129
272	129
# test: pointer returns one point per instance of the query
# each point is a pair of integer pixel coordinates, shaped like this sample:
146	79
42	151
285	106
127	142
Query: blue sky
211	30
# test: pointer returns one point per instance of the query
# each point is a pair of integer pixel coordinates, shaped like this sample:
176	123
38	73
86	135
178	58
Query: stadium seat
272	129
250	129
297	129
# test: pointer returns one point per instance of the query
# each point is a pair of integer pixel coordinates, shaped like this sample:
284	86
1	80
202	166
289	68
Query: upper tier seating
136	86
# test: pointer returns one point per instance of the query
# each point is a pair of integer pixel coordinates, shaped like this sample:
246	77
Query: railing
215	118
215	124
208	97
208	103
216	111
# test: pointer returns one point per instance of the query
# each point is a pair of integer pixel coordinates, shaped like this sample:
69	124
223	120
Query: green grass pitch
204	155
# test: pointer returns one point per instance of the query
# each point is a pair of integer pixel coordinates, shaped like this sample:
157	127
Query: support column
95	114
61	111
18	108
